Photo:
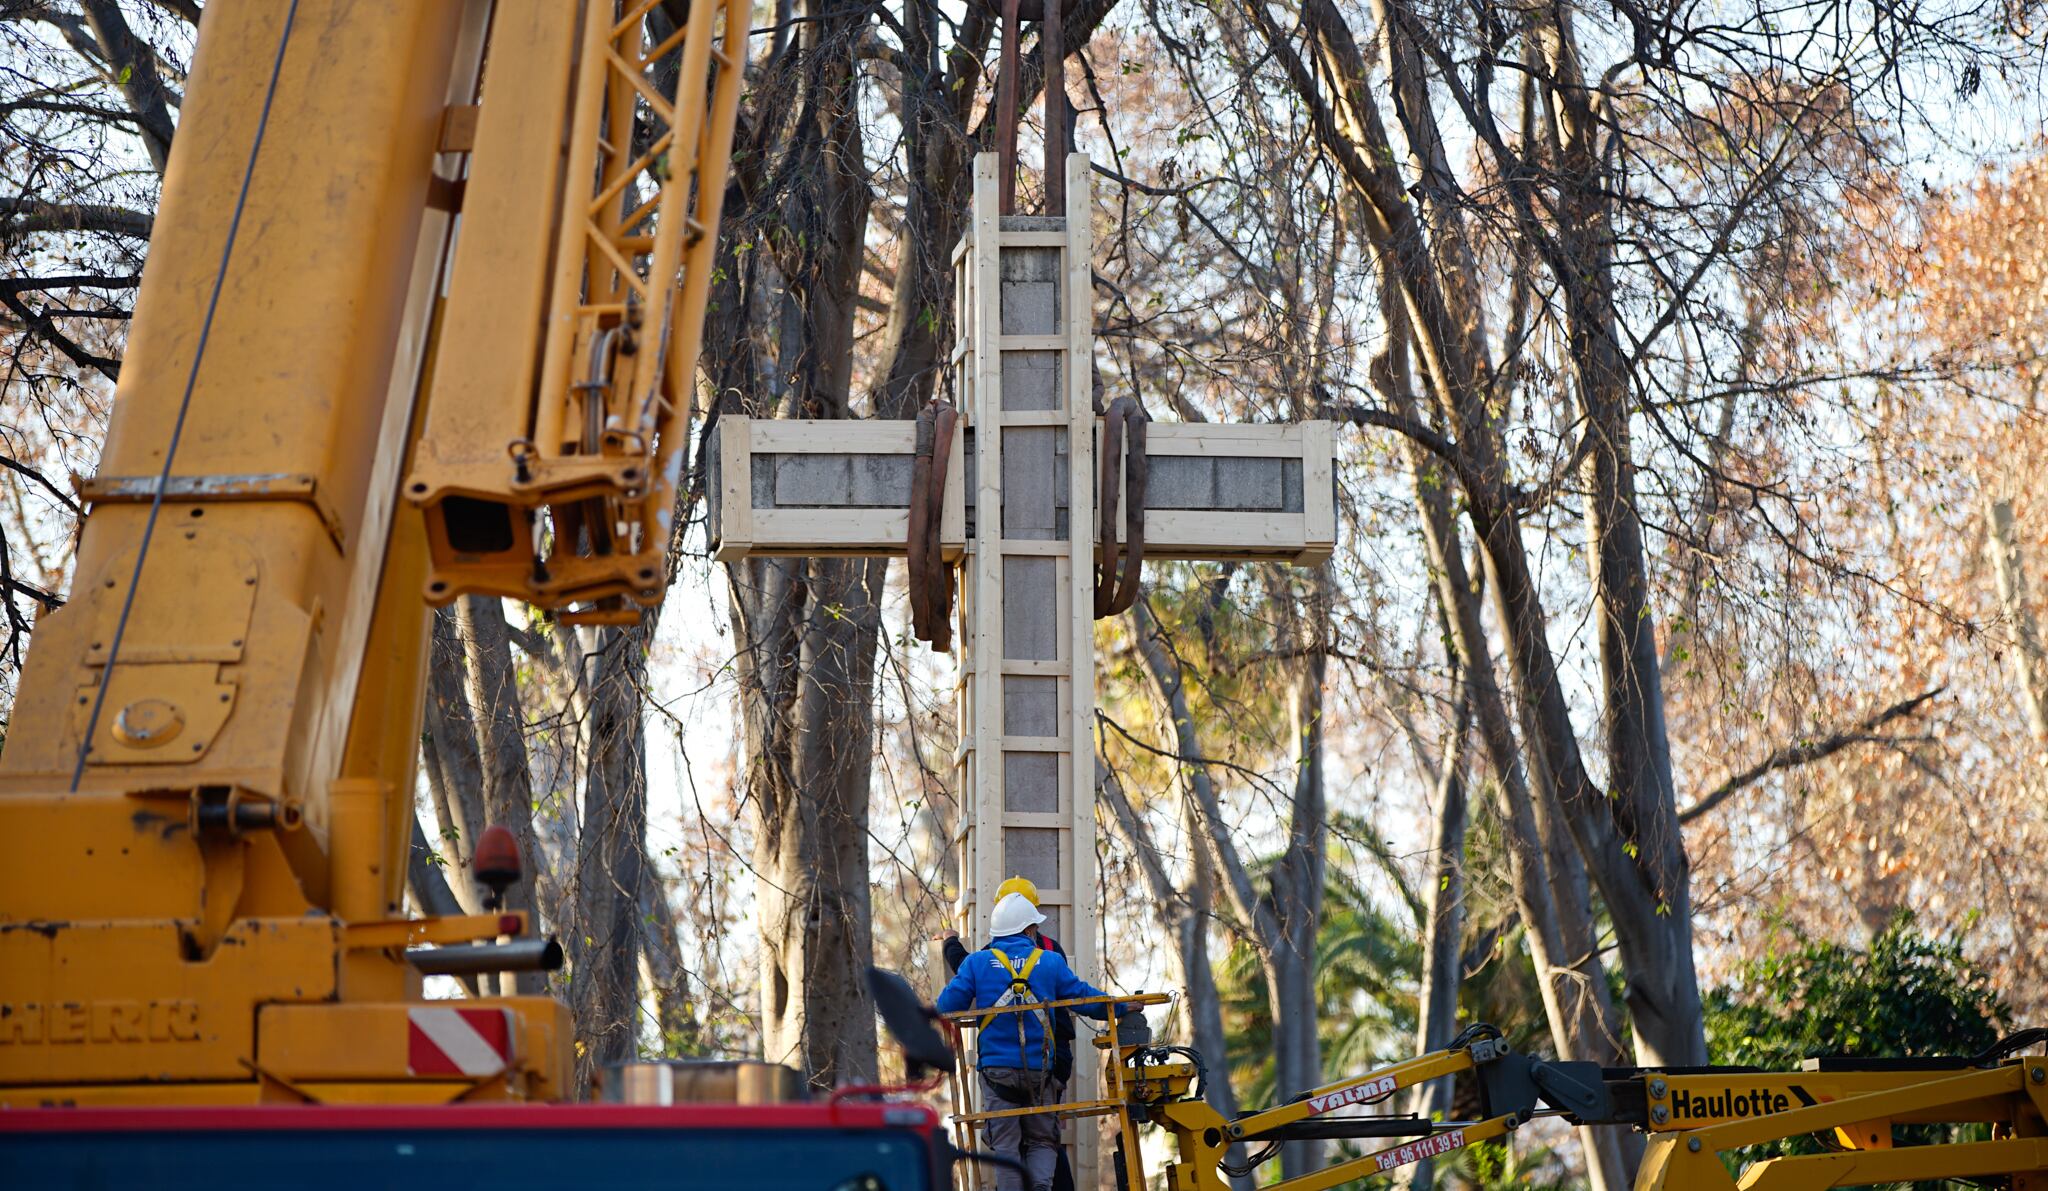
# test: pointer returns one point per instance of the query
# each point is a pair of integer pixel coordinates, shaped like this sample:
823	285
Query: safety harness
1020	993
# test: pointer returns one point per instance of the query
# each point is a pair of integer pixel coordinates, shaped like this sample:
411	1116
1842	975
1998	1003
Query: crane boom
550	475
206	798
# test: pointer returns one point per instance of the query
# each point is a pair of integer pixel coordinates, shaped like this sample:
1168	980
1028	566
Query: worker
1062	1021
1015	1050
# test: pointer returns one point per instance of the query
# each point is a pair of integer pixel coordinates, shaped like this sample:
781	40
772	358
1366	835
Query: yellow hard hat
1018	885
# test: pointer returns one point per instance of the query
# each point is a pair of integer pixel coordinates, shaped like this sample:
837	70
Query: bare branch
40	325
1806	752
17	285
20	216
133	64
63	497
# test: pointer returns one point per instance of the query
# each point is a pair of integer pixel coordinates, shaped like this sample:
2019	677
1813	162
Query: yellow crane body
206	796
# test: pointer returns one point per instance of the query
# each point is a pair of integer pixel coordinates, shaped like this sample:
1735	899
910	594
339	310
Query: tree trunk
1629	843
1280	922
1640	862
665	974
501	745
809	682
1296	893
1549	882
808	629
1436	1017
610	859
2029	667
428	884
455	778
1184	917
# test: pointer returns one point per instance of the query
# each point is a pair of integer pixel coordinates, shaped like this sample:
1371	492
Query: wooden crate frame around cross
1023	478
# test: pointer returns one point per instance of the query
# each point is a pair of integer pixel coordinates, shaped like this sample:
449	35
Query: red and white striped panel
472	1042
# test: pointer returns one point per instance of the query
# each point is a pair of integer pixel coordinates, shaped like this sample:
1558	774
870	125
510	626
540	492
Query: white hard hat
1012	914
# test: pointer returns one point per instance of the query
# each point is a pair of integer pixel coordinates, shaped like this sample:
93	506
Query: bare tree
1278	916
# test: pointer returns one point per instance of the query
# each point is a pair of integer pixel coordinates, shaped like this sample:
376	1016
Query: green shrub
1908	995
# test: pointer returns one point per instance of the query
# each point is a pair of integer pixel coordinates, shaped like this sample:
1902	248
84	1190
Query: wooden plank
983	867
1064	693
1235	442
1056	820
1078	842
1035	239
1035	668
833	436
1031	343
1035	548
887	530
953	517
1036	417
1318	493
1278	533
735	489
1031	744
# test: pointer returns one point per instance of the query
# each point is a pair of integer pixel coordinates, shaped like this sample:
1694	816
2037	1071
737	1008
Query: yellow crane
334	410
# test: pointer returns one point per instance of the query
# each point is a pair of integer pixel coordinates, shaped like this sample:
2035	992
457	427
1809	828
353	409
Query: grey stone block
1031	308
1248	484
1290	485
881	481
812	481
1029	477
1030	608
1031	380
1181	482
1034	223
1034	854
761	477
1031	705
1030	264
1031	782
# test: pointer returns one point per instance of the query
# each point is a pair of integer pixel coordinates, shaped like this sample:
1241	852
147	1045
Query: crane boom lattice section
553	479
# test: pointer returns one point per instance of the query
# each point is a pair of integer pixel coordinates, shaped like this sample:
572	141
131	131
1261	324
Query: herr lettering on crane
88	1022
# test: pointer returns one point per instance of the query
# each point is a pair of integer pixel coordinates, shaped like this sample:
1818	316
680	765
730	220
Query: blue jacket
981	982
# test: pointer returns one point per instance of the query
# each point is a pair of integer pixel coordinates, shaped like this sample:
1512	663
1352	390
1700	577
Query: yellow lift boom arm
1695	1117
1699	1119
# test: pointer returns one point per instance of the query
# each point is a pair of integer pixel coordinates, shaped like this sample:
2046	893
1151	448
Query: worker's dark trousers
1034	1139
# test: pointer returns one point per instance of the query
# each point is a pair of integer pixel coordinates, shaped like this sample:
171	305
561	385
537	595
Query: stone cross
1023	479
